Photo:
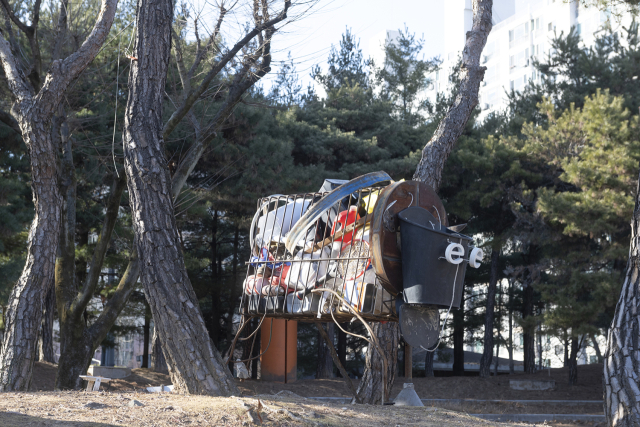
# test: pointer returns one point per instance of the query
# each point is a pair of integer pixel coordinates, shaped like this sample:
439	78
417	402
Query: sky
310	37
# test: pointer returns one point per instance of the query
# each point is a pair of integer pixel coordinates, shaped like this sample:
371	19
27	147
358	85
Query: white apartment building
527	34
522	30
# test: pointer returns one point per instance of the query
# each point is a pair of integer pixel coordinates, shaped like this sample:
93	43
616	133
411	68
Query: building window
550	27
518	34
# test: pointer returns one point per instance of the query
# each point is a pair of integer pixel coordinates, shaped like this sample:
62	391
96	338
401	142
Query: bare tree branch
191	98
8	120
200	53
61	30
110	218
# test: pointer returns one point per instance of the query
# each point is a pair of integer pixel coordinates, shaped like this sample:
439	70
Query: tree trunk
539	345
573	361
510	345
370	387
45	342
528	335
158	362
621	358
428	364
24	309
497	361
565	360
194	363
342	346
596	347
236	288
78	341
458	342
328	340
33	114
216	281
487	352
437	150
325	363
145	340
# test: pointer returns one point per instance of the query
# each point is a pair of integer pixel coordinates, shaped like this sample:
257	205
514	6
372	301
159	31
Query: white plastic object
277	223
303	275
454	250
475	258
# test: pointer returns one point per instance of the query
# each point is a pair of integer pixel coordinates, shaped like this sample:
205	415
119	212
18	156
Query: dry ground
44	407
589	385
163	409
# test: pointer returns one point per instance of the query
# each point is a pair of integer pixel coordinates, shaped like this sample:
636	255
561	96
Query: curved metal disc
419	325
309	218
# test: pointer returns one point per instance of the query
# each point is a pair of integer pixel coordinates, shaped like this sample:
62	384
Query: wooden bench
93	383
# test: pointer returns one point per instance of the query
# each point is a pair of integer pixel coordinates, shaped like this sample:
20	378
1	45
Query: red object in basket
344	219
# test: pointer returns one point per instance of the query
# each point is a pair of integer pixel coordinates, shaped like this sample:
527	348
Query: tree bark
621	358
145	340
325	363
370	387
487	352
458	342
158	362
33	113
573	361
194	363
45	342
528	335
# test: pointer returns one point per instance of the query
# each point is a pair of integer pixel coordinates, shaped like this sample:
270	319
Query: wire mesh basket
315	267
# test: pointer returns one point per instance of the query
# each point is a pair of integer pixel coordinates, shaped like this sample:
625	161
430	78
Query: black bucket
428	277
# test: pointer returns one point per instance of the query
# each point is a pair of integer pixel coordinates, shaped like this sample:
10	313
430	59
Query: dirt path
589	385
138	409
55	408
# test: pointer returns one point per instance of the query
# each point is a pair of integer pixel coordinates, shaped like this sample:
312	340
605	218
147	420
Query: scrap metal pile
369	248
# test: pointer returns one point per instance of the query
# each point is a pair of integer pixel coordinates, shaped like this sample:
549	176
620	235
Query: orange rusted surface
280	361
385	245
